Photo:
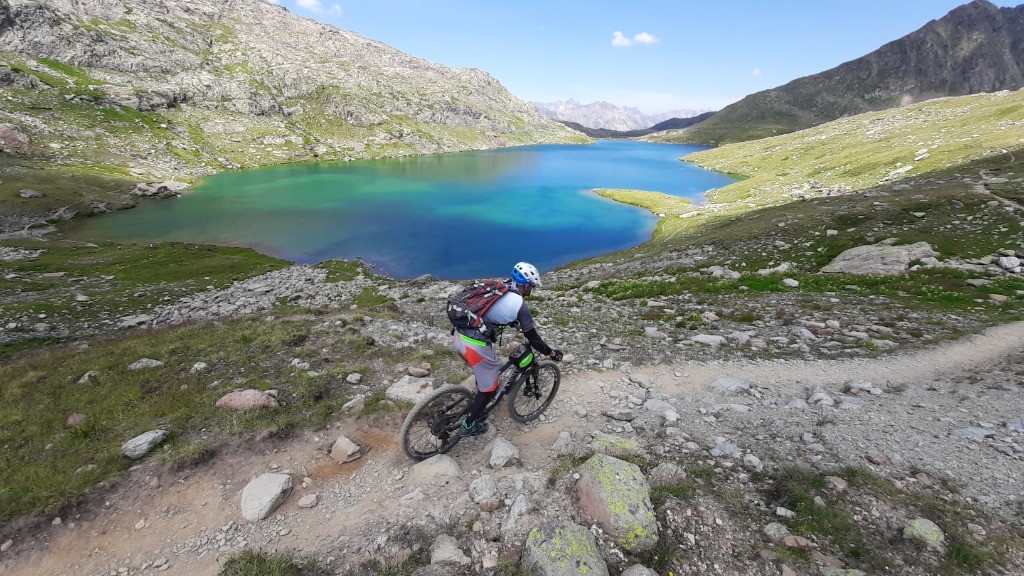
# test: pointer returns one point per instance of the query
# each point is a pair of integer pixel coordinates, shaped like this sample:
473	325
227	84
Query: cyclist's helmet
526	274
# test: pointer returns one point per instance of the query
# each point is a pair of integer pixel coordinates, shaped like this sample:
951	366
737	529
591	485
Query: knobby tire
433	425
533	392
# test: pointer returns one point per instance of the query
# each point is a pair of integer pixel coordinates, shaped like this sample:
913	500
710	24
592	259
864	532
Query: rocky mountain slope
607	116
155	90
975	48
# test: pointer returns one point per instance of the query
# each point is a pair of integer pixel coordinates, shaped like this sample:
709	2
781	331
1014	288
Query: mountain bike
432	427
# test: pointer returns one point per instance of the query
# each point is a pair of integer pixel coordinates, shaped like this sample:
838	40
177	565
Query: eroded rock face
614	494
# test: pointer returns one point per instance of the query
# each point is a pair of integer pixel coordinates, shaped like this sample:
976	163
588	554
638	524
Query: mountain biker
478	350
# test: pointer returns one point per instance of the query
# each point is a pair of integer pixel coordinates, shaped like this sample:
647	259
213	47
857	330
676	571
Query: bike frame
506	382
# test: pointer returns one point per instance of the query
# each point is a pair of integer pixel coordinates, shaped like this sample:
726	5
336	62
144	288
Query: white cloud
645	38
336	9
620	39
311	5
756	72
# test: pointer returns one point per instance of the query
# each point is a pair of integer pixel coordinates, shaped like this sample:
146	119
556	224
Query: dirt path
193	520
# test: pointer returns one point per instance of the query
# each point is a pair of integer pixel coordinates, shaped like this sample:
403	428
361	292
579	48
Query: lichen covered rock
614	494
562	551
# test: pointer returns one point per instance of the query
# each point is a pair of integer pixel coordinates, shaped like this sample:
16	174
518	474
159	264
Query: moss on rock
614	494
562	551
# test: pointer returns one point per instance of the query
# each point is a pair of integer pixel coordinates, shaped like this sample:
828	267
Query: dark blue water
463	215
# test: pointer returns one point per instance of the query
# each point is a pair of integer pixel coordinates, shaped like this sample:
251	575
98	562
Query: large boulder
562	551
614	494
264	494
879	259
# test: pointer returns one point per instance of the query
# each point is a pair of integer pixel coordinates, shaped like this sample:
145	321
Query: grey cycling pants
481	358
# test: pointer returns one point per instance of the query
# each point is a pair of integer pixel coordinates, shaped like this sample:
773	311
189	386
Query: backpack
466	308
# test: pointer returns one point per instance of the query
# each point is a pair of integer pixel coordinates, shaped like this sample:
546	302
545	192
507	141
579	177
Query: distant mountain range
602	115
977	47
670	124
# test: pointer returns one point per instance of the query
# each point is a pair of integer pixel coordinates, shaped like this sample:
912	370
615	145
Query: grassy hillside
869	149
912	165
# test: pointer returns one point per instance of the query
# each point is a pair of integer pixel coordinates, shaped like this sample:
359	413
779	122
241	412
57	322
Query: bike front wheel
433	425
533	392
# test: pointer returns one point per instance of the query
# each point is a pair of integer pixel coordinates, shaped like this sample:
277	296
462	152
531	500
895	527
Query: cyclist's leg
484	361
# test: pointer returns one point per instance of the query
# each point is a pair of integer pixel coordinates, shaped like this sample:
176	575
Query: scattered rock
141	445
75	420
144	363
308	501
797	543
247	399
89	377
731	384
445	550
264	494
425	472
926	532
776	532
708	339
567	550
503	454
410	389
344	450
975	433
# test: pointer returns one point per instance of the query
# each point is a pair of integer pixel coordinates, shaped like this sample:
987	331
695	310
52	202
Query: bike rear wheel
533	392
433	425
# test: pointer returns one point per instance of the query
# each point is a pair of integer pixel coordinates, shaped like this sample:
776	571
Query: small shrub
183	455
260	563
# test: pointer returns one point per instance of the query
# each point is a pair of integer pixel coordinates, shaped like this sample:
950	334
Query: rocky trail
952	411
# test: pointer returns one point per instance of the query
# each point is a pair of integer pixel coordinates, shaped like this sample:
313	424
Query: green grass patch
370	297
55	463
342	270
941	288
563	465
261	563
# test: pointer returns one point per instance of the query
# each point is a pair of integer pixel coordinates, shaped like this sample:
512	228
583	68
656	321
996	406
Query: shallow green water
453	216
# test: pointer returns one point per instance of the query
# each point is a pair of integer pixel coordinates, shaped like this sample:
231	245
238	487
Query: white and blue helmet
526	274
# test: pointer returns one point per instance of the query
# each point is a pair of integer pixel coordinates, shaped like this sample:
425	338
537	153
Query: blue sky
652	54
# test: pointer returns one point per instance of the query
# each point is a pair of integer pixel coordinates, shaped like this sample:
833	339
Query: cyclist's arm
525	319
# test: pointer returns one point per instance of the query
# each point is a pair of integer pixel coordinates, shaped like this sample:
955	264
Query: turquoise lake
465	215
